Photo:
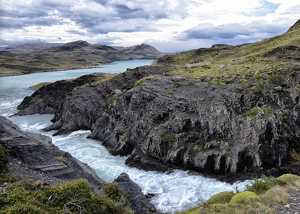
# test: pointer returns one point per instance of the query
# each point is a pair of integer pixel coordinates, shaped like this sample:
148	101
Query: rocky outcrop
140	202
49	98
38	153
164	121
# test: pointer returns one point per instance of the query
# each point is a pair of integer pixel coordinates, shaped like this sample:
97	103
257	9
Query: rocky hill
73	55
28	48
231	112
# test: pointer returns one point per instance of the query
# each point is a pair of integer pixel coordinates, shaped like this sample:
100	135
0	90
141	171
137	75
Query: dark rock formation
165	121
38	152
49	98
140	203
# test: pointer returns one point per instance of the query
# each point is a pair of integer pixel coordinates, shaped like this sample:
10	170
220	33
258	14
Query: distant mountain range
28	48
33	58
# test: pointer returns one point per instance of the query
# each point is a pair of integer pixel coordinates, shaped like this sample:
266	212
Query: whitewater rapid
174	192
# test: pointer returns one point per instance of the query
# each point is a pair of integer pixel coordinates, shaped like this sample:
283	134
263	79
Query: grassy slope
242	59
267	192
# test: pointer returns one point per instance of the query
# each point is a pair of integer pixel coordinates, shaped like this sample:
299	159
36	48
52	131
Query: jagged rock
39	153
49	98
212	129
139	202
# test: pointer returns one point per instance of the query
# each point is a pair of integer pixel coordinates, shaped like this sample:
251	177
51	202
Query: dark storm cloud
91	15
22	41
15	23
75	32
231	31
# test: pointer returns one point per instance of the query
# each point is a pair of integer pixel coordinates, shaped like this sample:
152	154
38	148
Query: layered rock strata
167	121
38	153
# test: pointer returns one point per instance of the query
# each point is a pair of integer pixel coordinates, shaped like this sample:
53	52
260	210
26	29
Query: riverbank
71	56
267	195
34	159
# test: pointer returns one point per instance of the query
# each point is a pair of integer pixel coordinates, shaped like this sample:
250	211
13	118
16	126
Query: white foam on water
175	192
8	107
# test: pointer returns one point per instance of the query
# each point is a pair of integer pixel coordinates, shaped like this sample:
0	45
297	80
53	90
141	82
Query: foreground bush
72	197
3	158
259	195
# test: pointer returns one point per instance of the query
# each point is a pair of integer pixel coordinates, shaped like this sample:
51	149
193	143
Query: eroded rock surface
38	153
164	121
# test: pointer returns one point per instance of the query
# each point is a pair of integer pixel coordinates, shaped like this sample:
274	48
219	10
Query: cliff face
166	121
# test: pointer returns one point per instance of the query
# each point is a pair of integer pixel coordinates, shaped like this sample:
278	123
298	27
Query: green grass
247	58
169	92
61	159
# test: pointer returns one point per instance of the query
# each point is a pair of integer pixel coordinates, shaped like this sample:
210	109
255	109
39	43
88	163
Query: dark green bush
3	158
259	186
177	85
168	138
252	112
72	197
277	79
113	191
169	92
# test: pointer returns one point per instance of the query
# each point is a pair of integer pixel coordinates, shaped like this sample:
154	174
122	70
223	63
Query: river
175	192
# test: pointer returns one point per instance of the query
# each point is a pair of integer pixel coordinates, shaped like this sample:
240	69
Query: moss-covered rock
288	178
246	197
220	198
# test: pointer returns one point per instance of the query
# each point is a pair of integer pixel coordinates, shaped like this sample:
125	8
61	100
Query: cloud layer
170	25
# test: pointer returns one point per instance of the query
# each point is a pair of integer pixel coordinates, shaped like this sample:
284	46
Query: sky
168	25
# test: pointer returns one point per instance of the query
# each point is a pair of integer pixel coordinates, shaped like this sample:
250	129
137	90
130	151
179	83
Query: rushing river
175	192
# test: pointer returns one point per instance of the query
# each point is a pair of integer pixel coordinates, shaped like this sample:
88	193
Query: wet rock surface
165	121
140	202
33	157
38	153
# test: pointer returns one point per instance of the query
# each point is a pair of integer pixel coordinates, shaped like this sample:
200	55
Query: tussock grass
270	191
248	58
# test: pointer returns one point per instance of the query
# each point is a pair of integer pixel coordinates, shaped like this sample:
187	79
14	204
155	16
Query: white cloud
289	6
159	22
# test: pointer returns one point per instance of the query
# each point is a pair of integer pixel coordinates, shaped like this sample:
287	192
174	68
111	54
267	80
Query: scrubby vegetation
73	197
279	53
259	195
3	159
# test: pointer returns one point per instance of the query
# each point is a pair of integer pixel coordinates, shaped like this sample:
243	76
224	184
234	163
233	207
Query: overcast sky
168	25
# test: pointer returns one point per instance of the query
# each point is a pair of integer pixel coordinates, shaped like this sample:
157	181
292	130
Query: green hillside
276	54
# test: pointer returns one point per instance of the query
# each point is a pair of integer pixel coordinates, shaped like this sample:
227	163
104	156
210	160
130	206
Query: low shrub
177	85
72	197
168	138
288	178
277	79
252	112
259	186
61	159
3	159
220	198
244	198
169	92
